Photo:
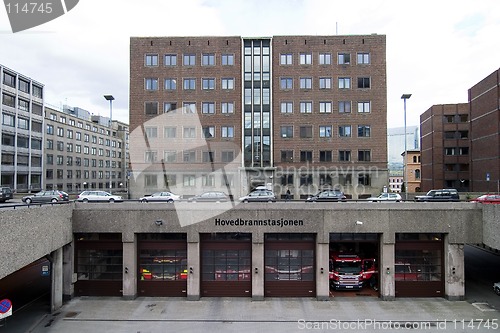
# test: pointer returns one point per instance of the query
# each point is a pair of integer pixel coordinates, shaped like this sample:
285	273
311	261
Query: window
344	58
208	131
325	155
325	83
344	155
228	84
189	108
344	107
325	131
23	123
345	131
208	107
286	131
189	132
151	107
363	58
306	180
208	156
37	91
306	156
36	109
9	120
170	84
227	107
364	180
305	83
170	156
325	107
151	60
9	100
69	147
363	131
60	160
151	132
227	131
208	84
286	59
287	156
50	159
364	107
286	107
170	59
306	59
69	134
189	156
189	60
22	142
50	144
23	105
325	59
151	83
306	131
344	83
363	82
208	180
306	107
364	155
227	156
150	156
286	83
227	59
9	79
189	84
208	59
169	107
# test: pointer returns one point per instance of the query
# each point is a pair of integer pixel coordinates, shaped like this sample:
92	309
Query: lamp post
404	97
110	98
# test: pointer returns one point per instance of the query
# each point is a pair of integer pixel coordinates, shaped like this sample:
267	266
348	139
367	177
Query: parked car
259	196
46	196
385	197
448	194
496	288
210	196
327	195
487	199
5	193
98	196
161	197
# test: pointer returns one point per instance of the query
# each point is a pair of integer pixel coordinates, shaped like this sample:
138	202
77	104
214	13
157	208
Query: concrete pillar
194	271
57	280
69	278
322	272
454	271
130	269
386	275
258	271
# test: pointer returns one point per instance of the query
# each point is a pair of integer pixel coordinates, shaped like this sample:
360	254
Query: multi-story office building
21	129
296	112
83	152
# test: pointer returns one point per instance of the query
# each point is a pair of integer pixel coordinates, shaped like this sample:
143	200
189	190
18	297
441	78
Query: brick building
293	112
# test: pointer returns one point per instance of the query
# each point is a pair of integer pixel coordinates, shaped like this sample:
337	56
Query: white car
98	196
161	197
384	197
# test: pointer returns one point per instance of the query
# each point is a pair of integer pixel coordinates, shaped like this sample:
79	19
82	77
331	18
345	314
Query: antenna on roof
336	28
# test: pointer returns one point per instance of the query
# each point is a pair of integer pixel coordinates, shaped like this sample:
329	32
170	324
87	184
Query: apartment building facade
83	152
21	130
301	113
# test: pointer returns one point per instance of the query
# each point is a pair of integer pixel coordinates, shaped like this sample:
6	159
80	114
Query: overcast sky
436	50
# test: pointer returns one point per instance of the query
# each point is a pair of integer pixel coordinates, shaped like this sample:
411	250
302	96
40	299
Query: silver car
46	196
98	196
161	197
384	197
259	196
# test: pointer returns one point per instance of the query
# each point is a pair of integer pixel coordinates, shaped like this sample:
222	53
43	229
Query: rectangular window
306	131
325	131
287	156
363	82
325	59
151	60
9	120
37	91
208	84
208	156
345	131
306	180
306	59
170	84
363	58
325	83
227	107
208	59
344	107
189	156
170	59
344	83
189	132
208	132
364	156
286	131
286	59
169	107
189	84
344	58
364	131
151	84
36	109
208	108
150	156
23	105
151	108
325	107
364	107
23	123
286	107
306	107
227	131
9	79
208	180
227	59
189	60
325	155
305	83
286	83
344	155
227	156
151	132
50	144
9	100
170	156
189	107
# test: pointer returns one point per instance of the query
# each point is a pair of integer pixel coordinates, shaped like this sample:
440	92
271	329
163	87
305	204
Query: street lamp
404	97
110	98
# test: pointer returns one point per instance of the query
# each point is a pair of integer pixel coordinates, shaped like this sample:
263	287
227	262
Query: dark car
46	196
446	194
259	196
327	196
210	196
5	193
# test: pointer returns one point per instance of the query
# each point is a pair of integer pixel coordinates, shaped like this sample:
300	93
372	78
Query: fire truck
350	272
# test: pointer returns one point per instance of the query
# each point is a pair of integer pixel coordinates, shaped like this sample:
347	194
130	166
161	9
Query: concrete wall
491	226
30	233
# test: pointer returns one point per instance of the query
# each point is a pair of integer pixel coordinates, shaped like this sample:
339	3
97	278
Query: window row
70	148
79	124
22	104
325	131
189	132
286	83
325	107
170	84
187	180
188	156
22	141
307	179
70	134
324	58
78	161
22	123
23	85
9	159
152	108
290	156
79	174
188	59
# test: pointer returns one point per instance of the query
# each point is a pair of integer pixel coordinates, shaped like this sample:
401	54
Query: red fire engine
349	271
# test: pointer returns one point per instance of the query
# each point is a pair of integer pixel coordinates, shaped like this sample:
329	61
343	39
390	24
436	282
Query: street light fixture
404	97
110	98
